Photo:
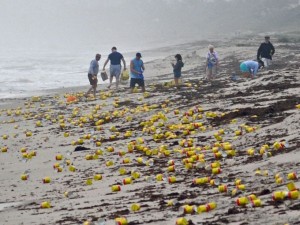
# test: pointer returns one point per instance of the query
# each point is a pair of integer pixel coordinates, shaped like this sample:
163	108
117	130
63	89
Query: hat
211	47
114	48
244	67
138	55
267	37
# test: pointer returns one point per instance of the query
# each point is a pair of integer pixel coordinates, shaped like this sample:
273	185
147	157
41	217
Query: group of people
249	68
264	59
136	70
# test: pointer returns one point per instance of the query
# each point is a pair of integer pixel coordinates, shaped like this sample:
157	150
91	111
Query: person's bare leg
95	88
88	92
110	81
176	82
117	81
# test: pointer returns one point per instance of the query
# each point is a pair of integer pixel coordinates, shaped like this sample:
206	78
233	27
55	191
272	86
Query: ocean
25	73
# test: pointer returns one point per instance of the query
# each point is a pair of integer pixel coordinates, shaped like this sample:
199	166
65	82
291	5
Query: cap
244	67
139	55
114	48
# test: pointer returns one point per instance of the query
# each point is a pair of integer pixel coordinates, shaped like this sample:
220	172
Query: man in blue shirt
115	66
92	74
136	72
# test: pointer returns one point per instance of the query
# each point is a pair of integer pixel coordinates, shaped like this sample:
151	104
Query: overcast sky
84	23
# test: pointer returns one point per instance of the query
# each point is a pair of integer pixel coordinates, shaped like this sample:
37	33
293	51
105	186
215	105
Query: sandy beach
241	137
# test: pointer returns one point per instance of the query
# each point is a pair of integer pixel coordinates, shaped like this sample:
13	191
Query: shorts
177	74
267	62
115	71
92	81
134	81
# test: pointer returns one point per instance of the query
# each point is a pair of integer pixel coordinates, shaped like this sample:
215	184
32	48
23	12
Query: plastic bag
125	75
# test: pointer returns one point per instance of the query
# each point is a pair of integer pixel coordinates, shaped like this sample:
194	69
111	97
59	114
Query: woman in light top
212	63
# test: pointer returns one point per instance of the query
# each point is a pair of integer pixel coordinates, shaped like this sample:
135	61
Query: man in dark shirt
265	52
115	66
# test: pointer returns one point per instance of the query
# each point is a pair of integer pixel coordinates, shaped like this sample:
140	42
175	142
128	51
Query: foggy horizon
132	24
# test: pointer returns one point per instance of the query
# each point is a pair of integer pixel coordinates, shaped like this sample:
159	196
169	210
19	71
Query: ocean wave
23	80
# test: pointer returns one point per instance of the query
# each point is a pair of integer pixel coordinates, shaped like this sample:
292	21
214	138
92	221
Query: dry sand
267	104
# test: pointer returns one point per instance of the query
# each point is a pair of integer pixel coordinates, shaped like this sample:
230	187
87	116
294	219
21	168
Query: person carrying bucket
115	59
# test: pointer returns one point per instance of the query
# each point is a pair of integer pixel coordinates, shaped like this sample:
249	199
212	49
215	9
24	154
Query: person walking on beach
177	69
212	63
250	68
136	72
92	74
115	66
265	52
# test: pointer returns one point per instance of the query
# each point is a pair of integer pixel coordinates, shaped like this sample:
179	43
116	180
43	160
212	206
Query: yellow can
24	177
140	160
72	168
188	209
241	187
159	177
188	166
171	168
89	157
256	203
121	221
201	209
222	188
45	205
172	179
127	180
59	157
218	155
278	195
46	180
292	176
242	201
135	174
109	163
293	194
116	188
122	171
252	197
203	180
182	221
291	186
126	160
216	170
238	182
89	182
135	207
211	206
98	177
